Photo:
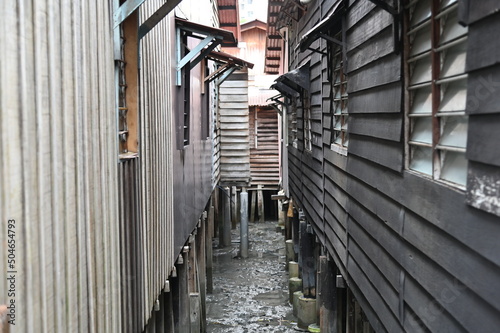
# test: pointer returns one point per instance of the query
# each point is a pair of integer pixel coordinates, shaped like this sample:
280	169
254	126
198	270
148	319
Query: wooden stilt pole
308	263
252	206
169	312
260	203
202	284
226	225
181	296
234	207
208	246
327	295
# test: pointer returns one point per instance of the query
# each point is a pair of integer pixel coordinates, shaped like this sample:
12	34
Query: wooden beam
157	16
132	80
124	11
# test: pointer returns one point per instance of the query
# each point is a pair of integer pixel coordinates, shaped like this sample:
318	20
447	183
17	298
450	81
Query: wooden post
168	312
181	296
244	224
201	255
252	206
234	206
226	224
208	246
217	212
308	262
327	295
260	203
160	319
192	265
151	325
195	312
296	235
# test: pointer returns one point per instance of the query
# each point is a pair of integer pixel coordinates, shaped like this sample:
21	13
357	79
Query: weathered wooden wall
59	178
415	255
234	132
96	236
483	106
264	146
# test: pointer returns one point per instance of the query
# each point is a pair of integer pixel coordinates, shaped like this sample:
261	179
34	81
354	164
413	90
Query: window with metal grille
338	96
306	109
437	90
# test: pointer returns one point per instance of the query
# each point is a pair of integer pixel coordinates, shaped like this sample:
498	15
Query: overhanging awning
196	28
210	38
294	82
229	58
298	79
331	21
229	64
284	89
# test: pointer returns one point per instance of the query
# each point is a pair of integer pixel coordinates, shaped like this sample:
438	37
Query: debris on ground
251	295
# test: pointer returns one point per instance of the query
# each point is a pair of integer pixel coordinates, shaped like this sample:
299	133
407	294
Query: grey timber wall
96	237
59	178
264	146
483	107
416	254
234	132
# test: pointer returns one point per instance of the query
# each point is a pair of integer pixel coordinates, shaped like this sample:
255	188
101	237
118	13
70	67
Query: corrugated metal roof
259	97
229	17
273	44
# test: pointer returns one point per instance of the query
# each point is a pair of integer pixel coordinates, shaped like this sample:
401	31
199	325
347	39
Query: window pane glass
454	168
454	96
422	42
422	130
454	132
421	159
452	29
422	71
454	60
446	3
421	12
422	101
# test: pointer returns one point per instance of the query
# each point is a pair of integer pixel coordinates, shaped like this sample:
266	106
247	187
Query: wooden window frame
292	124
441	156
307	123
338	95
128	87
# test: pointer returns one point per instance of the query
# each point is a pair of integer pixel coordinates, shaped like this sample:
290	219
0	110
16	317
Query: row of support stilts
322	302
231	201
312	276
180	308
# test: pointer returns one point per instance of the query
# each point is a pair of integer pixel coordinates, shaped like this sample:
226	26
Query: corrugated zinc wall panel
59	176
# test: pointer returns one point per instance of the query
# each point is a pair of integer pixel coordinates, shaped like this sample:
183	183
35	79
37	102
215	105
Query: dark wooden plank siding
483	107
415	255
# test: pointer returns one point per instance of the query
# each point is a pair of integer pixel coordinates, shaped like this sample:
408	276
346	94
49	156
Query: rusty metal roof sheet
273	44
229	18
229	58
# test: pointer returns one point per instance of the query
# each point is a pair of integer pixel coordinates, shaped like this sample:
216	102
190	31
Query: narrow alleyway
251	295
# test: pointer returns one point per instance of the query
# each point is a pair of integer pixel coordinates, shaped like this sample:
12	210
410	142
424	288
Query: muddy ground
251	295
